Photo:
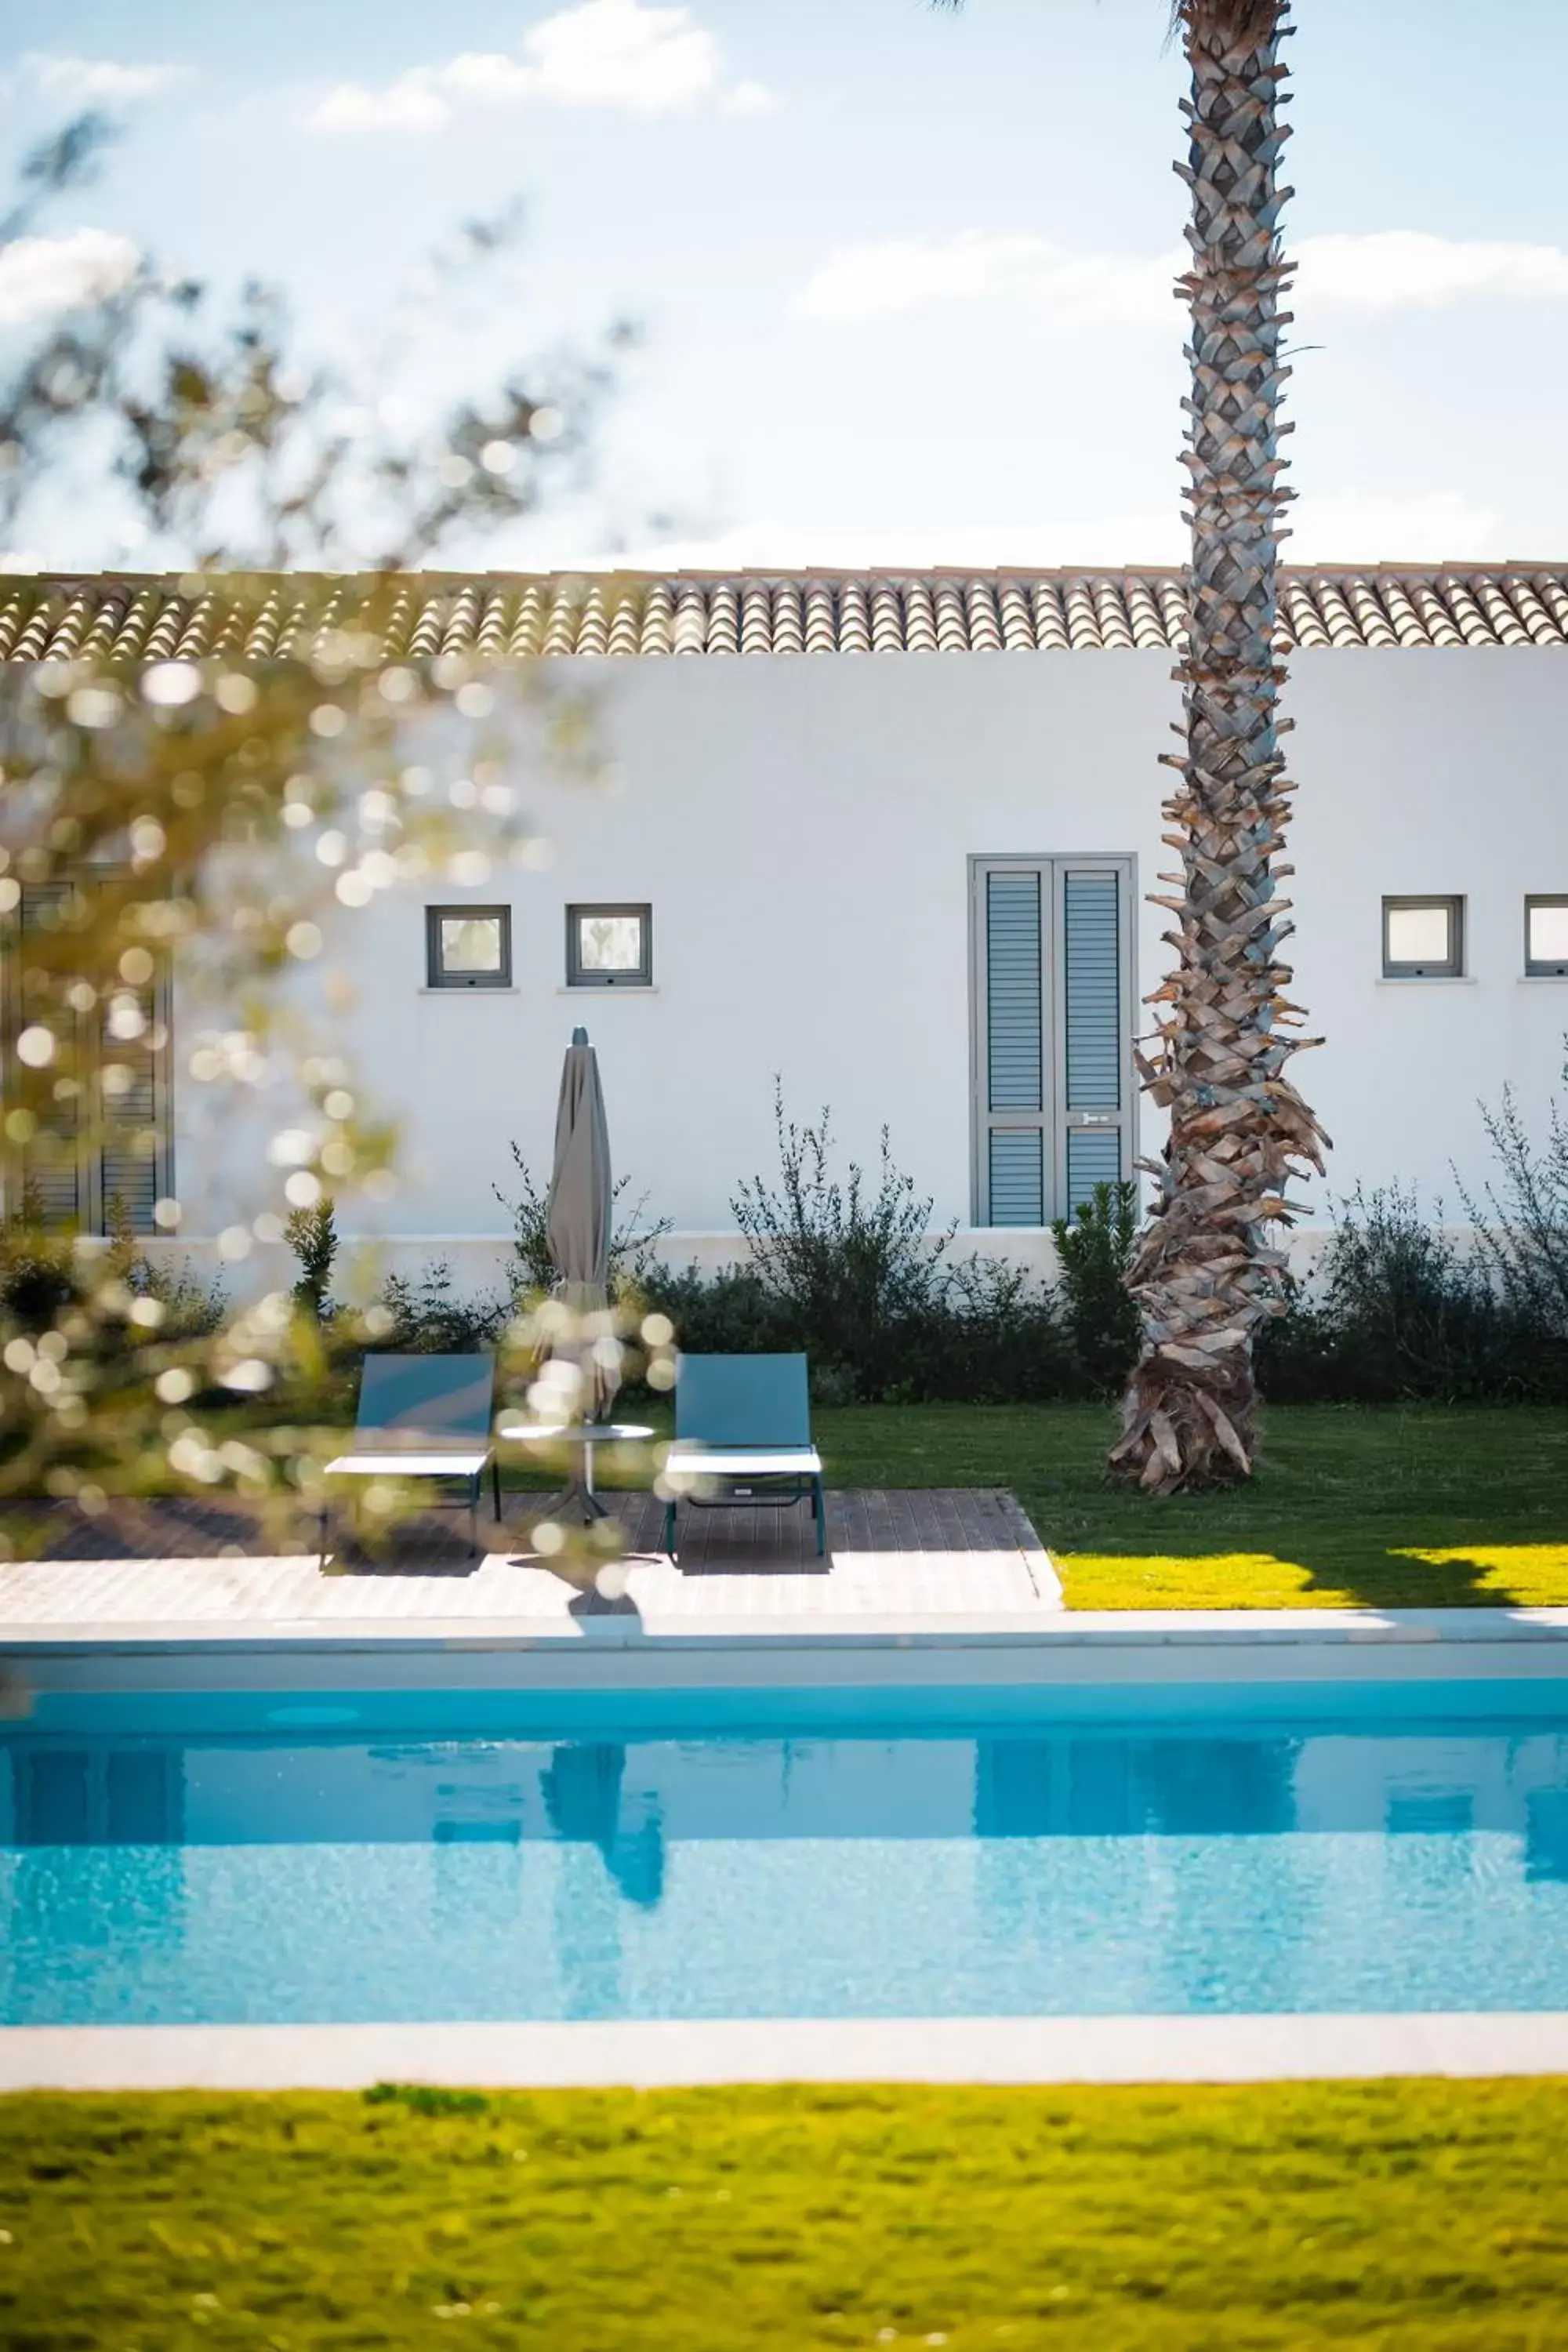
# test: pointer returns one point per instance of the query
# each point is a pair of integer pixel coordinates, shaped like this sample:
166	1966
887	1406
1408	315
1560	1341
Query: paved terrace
943	1584
929	1561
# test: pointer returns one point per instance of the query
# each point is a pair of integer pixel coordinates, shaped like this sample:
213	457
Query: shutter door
1094	1157
1017	1175
1016	911
131	1104
74	1176
1013	992
1052	992
1094	1040
53	1166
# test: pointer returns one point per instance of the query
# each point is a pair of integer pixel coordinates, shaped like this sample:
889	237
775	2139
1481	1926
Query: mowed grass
1407	2214
1416	1507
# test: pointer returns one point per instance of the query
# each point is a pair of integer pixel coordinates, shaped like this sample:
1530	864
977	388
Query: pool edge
667	2054
620	1653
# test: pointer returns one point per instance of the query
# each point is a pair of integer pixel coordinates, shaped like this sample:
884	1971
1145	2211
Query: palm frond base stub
1184	1431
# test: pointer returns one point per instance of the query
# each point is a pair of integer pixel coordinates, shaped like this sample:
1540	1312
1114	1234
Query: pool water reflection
276	1863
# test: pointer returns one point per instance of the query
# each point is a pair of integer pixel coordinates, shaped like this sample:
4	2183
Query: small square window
1546	937
609	946
469	947
1423	938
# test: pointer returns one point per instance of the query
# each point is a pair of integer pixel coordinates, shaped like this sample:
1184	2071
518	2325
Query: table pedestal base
578	1502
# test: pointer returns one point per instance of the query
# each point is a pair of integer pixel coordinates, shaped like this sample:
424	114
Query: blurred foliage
234	815
230	452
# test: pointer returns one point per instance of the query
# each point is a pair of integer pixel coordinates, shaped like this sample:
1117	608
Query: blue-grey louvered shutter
1014	1050
131	1116
52	1164
1094	1023
72	1174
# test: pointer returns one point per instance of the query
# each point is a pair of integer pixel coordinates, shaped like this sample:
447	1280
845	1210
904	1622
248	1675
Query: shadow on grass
1395	1579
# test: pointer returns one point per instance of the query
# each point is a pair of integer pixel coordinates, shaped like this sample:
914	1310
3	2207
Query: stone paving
928	1553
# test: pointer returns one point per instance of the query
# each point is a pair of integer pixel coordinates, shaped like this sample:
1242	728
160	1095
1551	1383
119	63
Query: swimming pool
289	1858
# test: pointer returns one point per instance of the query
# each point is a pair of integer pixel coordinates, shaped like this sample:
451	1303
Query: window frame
1543	967
577	976
436	976
1452	966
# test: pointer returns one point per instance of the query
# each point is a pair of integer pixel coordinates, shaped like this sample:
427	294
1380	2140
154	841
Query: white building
890	838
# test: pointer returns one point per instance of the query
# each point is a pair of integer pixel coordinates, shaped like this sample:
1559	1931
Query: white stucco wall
802	828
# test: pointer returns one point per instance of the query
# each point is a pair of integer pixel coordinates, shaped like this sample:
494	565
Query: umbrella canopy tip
579	1036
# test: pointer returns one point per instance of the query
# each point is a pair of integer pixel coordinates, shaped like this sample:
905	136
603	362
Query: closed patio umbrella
579	1209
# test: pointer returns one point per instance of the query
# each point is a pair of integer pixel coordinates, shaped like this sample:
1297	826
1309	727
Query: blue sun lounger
425	1417
743	1434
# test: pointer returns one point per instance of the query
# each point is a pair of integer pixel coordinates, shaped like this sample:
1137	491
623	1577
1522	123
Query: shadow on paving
188	1527
731	1540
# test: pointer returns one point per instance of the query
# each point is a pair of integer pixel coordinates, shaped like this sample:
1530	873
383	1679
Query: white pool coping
670	2054
629	1653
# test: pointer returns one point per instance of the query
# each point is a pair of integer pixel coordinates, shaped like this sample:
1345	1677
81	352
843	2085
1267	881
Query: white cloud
96	81
39	275
880	279
1384	270
410	103
1404	269
615	54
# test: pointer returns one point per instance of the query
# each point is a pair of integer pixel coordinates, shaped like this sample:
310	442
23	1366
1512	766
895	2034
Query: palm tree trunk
1207	1270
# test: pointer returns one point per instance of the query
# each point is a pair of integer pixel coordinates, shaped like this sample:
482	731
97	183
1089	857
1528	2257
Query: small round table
583	1435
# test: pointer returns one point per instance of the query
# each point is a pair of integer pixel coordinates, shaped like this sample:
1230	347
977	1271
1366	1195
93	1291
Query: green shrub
633	1245
312	1235
1094	1252
43	1271
421	1315
728	1313
847	1271
849	1266
1523	1221
1397	1312
37	1271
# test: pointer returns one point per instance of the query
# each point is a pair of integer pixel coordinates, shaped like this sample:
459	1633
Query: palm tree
1207	1272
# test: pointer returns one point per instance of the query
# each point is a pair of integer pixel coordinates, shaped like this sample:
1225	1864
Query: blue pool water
350	1856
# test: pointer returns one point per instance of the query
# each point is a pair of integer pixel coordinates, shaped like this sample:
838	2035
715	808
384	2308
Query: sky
903	274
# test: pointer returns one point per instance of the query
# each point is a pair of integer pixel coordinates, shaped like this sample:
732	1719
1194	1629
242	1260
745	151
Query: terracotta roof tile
622	614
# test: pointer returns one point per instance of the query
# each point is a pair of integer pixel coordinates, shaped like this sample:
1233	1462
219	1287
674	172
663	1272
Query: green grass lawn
1415	2215
1343	1504
1413	1507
